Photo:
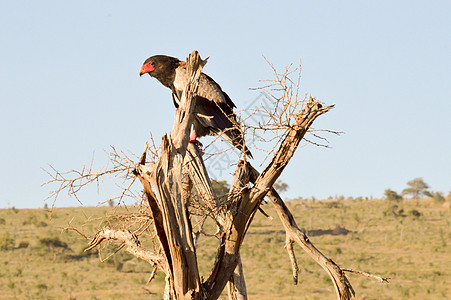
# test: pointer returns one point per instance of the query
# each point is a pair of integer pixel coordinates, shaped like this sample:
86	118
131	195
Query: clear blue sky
70	87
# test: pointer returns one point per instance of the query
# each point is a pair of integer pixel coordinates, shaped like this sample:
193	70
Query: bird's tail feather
235	137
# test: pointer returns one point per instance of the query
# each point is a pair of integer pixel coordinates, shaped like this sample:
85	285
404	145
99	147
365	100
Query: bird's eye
152	63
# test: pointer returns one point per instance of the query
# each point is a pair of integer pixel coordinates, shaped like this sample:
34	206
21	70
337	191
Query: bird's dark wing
218	119
208	88
214	109
214	115
211	90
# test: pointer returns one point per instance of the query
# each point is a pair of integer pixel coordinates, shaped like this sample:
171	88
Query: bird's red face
147	68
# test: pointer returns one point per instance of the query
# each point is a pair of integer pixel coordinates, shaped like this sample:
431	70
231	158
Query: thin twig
377	277
294	264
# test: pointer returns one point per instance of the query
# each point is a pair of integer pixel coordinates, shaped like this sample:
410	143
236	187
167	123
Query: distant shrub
119	259
280	186
41	224
394	210
2	221
23	245
6	242
438	197
15	210
220	187
334	204
415	213
53	242
392	196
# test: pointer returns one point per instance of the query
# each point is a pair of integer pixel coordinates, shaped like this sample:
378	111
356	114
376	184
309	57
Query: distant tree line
416	189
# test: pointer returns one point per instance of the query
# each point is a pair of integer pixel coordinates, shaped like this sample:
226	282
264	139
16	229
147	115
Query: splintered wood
179	168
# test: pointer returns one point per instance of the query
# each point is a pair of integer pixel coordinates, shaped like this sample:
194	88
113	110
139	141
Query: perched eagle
213	113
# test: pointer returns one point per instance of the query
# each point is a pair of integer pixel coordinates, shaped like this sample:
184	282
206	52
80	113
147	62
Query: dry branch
144	174
304	120
133	246
168	183
294	234
294	265
198	175
195	168
236	286
244	200
377	277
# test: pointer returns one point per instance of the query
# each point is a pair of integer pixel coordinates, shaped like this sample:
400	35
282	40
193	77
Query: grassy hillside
409	243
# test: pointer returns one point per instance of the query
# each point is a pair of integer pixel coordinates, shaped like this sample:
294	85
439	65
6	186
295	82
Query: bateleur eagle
213	113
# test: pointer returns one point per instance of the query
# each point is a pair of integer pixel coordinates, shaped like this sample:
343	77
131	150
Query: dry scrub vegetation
39	261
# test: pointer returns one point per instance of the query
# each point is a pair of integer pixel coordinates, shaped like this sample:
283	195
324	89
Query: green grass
38	260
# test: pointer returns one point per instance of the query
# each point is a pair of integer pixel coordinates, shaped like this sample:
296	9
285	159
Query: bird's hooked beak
147	68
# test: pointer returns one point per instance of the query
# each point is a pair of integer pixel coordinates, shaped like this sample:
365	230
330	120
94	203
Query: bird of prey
213	113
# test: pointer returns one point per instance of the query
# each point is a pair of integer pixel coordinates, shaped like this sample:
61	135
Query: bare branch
152	275
294	264
294	234
236	286
133	246
377	277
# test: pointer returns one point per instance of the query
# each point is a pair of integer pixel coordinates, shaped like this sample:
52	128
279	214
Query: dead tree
179	167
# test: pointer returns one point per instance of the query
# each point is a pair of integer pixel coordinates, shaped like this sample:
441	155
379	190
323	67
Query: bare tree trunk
168	175
199	176
180	167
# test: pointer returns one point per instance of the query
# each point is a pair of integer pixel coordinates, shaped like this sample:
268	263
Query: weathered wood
144	174
176	224
184	114
236	287
294	234
133	246
168	179
195	168
292	256
198	174
228	252
369	275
